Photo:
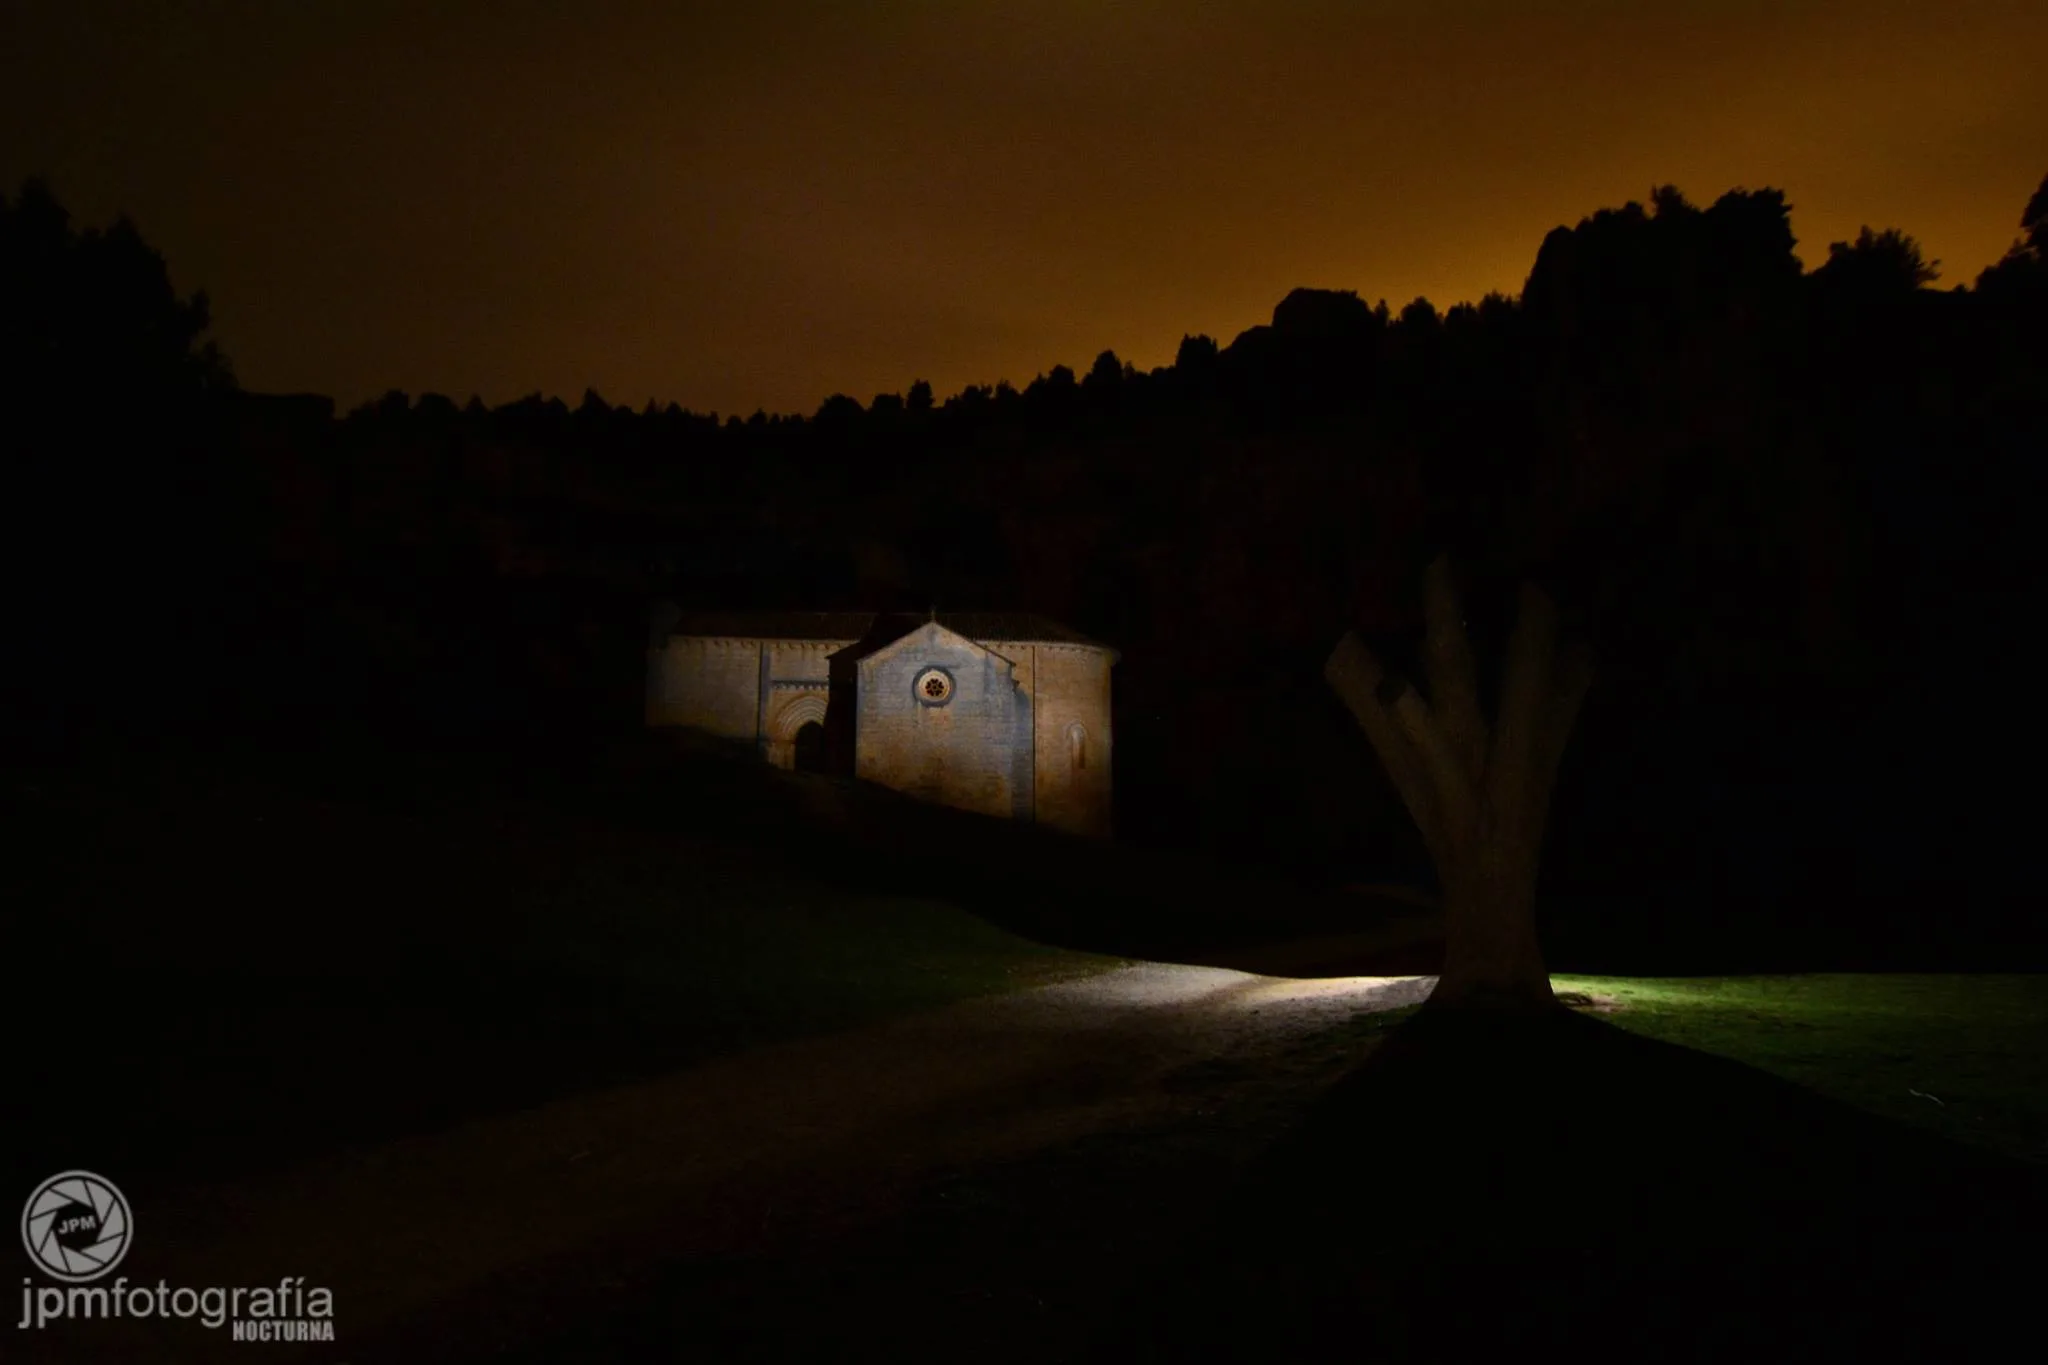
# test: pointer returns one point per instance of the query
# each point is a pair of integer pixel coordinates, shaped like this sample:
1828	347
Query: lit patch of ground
1963	1055
500	1219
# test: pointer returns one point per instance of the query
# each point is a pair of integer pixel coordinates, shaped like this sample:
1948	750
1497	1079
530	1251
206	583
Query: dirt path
461	1243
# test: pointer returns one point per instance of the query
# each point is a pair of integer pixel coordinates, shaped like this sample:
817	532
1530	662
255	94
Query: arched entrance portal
796	733
809	747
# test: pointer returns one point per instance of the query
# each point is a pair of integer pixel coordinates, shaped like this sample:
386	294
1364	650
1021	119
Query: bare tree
1480	793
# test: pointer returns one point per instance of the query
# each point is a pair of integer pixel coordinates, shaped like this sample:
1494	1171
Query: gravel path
462	1243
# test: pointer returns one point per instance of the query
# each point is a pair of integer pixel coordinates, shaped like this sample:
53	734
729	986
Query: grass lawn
224	968
1961	1055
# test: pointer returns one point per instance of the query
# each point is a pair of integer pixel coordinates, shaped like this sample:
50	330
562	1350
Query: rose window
934	687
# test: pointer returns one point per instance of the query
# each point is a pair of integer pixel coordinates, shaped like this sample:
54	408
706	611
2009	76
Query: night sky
739	206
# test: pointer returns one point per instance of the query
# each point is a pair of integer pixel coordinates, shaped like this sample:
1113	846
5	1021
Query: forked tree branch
1541	693
1371	693
1524	698
1462	780
1449	779
1453	675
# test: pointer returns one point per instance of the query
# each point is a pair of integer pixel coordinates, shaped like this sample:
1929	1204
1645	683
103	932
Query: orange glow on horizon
740	210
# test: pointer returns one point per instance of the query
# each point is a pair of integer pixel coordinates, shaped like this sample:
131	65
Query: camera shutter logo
76	1226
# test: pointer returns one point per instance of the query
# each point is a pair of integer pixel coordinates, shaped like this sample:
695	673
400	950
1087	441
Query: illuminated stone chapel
1003	714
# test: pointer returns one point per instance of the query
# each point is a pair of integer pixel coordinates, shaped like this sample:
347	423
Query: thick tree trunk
1480	794
1492	959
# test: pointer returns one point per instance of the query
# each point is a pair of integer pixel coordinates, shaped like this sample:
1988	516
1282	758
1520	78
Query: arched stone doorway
808	748
788	727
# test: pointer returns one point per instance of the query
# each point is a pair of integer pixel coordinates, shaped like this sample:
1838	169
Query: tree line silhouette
1797	510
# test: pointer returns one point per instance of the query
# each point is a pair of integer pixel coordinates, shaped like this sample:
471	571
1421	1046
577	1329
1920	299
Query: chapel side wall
973	753
1072	687
798	677
711	685
802	660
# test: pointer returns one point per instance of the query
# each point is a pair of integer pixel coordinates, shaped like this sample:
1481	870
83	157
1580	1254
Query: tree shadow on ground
1479	1189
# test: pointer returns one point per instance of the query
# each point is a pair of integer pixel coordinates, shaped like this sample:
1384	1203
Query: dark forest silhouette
1796	511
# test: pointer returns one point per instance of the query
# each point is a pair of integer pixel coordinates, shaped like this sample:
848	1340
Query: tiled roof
875	628
774	625
1017	627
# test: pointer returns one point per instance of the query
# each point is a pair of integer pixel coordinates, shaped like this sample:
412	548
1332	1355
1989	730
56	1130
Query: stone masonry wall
974	751
1070	690
713	685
